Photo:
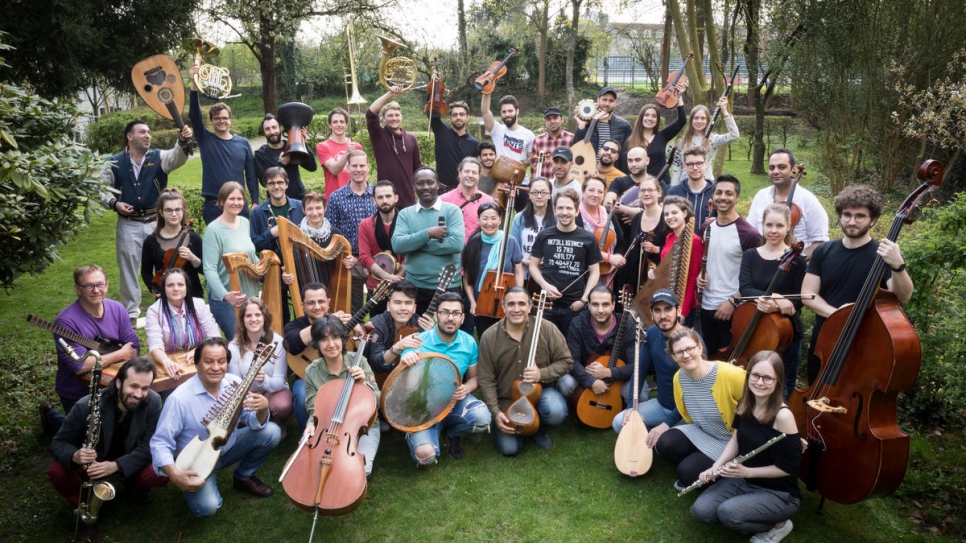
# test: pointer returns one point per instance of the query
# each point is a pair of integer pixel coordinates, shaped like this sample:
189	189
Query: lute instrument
598	410
157	80
522	413
585	156
631	454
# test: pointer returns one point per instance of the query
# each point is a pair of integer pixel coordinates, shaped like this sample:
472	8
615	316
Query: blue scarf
493	259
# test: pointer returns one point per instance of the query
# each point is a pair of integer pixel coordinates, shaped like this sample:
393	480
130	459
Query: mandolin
668	96
599	410
522	413
631	454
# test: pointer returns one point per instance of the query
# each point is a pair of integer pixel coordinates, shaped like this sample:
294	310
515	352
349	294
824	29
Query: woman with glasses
761	495
535	217
706	394
172	232
694	136
178	322
482	253
593	218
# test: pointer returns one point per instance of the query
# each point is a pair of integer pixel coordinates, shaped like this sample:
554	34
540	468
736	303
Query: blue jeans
250	450
653	413
560	315
298	402
225	315
469	415
566	385
744	507
552	409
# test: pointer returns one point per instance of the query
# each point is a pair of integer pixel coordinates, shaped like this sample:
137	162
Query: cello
869	351
326	474
599	410
489	300
762	331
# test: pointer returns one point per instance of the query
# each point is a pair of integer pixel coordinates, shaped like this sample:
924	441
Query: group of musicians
704	413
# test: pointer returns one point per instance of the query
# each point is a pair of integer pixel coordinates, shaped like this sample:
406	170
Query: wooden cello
631	454
522	413
599	410
869	352
762	331
326	474
489	300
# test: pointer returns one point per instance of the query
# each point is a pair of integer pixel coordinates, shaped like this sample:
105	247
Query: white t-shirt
516	144
814	224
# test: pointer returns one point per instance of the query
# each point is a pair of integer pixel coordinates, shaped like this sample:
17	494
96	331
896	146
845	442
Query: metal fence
627	71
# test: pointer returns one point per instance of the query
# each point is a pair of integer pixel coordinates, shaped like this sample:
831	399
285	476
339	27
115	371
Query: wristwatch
901	268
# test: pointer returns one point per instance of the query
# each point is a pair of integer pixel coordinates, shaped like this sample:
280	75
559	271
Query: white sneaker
774	535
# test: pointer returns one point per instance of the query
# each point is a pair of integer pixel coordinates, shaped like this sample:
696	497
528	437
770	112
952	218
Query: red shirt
368	246
694	266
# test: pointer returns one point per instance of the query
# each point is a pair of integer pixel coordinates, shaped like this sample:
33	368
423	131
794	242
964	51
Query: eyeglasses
315	303
647	190
221	119
172	211
276	183
444	314
91	287
755	377
687	350
693	165
610	150
539	193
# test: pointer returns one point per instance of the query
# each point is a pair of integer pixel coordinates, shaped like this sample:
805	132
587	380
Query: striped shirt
708	432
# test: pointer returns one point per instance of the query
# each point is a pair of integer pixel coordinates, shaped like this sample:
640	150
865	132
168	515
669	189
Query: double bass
489	300
869	352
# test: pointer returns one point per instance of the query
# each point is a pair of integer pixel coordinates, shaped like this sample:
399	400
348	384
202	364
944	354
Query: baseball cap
552	110
606	90
564	153
666	296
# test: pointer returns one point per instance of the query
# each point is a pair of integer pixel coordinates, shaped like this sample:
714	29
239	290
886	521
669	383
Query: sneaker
679	486
456	447
543	441
774	535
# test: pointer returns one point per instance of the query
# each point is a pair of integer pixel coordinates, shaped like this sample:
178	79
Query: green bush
48	184
106	135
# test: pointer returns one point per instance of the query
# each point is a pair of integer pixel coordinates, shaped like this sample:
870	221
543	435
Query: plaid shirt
545	144
346	210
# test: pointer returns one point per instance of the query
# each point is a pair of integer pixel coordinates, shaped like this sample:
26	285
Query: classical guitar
598	410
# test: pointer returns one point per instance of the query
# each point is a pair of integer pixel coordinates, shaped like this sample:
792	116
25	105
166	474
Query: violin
172	259
436	92
869	352
326	474
489	300
798	171
606	237
669	95
762	331
487	82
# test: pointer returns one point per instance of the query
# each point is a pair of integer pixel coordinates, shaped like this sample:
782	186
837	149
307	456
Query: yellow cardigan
727	389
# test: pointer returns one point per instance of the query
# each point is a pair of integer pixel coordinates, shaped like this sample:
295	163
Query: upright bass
869	352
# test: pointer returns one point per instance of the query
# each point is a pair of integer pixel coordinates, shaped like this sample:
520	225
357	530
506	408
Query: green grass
570	493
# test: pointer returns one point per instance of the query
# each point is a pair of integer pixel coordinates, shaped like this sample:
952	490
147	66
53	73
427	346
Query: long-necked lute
522	413
631	454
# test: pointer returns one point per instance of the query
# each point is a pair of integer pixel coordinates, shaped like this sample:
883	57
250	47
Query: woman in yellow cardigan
706	394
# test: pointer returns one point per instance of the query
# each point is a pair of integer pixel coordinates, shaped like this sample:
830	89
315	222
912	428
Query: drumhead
419	396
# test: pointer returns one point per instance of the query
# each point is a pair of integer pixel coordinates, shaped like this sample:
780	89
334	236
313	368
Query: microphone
441	222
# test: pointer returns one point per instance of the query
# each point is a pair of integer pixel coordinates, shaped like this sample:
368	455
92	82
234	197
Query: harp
311	263
263	280
671	273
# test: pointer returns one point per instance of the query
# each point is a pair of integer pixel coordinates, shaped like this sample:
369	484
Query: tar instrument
213	81
419	396
631	454
869	352
489	299
326	474
717	109
201	456
311	263
734	462
356	98
522	413
97	492
585	156
263	280
102	345
172	259
606	237
762	331
798	171
436	92
671	273
387	262
380	293
668	96
445	279
294	116
703	272
395	71
158	82
487	82
599	410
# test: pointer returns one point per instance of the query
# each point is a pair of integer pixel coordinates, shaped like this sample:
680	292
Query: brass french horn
213	81
395	71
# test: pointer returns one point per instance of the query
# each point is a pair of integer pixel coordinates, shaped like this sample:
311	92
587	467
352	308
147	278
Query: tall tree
574	33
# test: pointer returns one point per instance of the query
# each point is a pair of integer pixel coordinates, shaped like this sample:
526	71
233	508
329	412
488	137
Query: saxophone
93	494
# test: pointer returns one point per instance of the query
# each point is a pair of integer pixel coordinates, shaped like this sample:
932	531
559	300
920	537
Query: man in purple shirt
396	151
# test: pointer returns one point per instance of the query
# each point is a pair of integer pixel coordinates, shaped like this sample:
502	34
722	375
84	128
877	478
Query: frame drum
419	396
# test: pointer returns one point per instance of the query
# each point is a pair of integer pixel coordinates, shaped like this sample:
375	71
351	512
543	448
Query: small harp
671	273
263	280
311	263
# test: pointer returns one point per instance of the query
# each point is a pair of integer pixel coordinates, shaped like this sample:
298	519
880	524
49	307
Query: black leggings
677	448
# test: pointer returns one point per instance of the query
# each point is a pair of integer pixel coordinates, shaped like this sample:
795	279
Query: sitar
631	454
598	410
522	413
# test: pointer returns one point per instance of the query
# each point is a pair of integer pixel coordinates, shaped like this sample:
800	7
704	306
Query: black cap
666	296
606	90
564	153
552	110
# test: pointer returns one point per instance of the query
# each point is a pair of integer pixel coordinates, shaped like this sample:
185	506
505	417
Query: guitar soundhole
148	88
579	161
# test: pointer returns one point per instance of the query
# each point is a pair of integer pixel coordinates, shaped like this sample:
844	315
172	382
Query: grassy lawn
570	493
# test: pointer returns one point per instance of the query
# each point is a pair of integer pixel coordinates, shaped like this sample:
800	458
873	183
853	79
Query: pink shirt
329	149
470	219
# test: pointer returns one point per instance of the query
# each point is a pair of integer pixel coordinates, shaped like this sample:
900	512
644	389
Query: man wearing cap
541	160
665	310
562	158
609	126
452	144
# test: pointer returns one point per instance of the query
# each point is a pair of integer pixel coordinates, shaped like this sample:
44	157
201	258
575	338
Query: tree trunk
542	53
687	36
666	46
266	61
464	53
752	11
571	51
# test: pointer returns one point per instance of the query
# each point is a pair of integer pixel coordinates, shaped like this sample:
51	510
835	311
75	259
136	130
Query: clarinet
737	460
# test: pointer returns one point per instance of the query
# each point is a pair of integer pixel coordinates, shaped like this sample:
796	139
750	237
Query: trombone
356	98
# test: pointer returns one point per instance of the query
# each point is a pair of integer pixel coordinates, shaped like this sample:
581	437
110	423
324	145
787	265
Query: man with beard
273	154
396	151
609	152
334	152
511	139
544	144
562	159
838	268
637	162
452	144
487	156
375	236
462	197
429	234
609	125
812	229
347	208
129	412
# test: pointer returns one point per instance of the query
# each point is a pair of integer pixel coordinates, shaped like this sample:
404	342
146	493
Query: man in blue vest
138	174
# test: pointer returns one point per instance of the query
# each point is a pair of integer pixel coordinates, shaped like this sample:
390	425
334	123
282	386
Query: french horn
395	71
213	81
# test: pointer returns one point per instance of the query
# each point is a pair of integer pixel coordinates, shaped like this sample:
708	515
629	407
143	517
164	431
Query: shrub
107	134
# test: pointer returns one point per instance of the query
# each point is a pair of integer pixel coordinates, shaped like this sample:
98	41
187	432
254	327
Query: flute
737	460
